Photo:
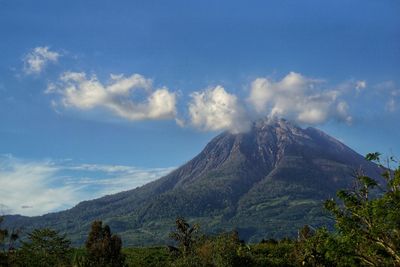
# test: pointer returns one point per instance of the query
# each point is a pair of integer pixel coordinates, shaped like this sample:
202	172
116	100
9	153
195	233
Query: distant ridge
265	183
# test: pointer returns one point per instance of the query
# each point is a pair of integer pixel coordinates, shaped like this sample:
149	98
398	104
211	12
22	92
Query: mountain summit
267	182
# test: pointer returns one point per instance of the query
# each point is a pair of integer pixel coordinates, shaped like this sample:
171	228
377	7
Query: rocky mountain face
265	183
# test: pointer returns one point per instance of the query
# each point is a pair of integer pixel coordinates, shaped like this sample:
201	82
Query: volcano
265	183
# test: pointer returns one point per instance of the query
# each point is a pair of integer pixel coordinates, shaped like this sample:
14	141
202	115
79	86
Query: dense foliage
7	245
185	236
102	248
45	248
370	224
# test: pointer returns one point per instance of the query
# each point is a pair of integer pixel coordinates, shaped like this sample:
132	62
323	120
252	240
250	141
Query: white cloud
214	109
297	98
38	187
36	60
80	92
361	85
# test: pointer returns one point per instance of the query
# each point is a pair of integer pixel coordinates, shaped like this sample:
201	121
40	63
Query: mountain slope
265	183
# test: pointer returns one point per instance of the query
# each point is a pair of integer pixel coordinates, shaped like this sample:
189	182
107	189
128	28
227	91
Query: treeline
47	248
367	222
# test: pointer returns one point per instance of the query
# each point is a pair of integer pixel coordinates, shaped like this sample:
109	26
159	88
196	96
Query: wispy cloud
38	187
391	105
117	96
392	91
26	187
37	59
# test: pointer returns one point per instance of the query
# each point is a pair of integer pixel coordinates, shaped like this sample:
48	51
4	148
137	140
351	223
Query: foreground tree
45	248
3	250
319	247
7	245
368	217
103	248
225	250
185	236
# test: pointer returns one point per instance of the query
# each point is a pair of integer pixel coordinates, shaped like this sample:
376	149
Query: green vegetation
7	245
369	225
367	222
185	236
46	248
102	248
148	256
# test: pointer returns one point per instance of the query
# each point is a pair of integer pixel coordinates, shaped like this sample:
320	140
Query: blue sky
135	88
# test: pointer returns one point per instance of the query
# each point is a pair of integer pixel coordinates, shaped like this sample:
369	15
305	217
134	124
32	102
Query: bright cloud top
79	91
38	187
36	60
214	109
297	98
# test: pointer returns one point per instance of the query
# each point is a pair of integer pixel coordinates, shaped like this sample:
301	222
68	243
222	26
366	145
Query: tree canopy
103	248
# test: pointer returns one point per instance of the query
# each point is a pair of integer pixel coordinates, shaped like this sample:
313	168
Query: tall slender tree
103	248
185	235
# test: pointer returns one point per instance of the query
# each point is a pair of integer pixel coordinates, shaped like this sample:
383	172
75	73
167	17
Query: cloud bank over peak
298	98
118	96
38	58
295	97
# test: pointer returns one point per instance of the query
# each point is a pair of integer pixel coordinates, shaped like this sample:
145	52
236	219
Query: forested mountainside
265	183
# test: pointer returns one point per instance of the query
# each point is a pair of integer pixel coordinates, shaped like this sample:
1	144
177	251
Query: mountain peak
280	125
267	182
268	121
